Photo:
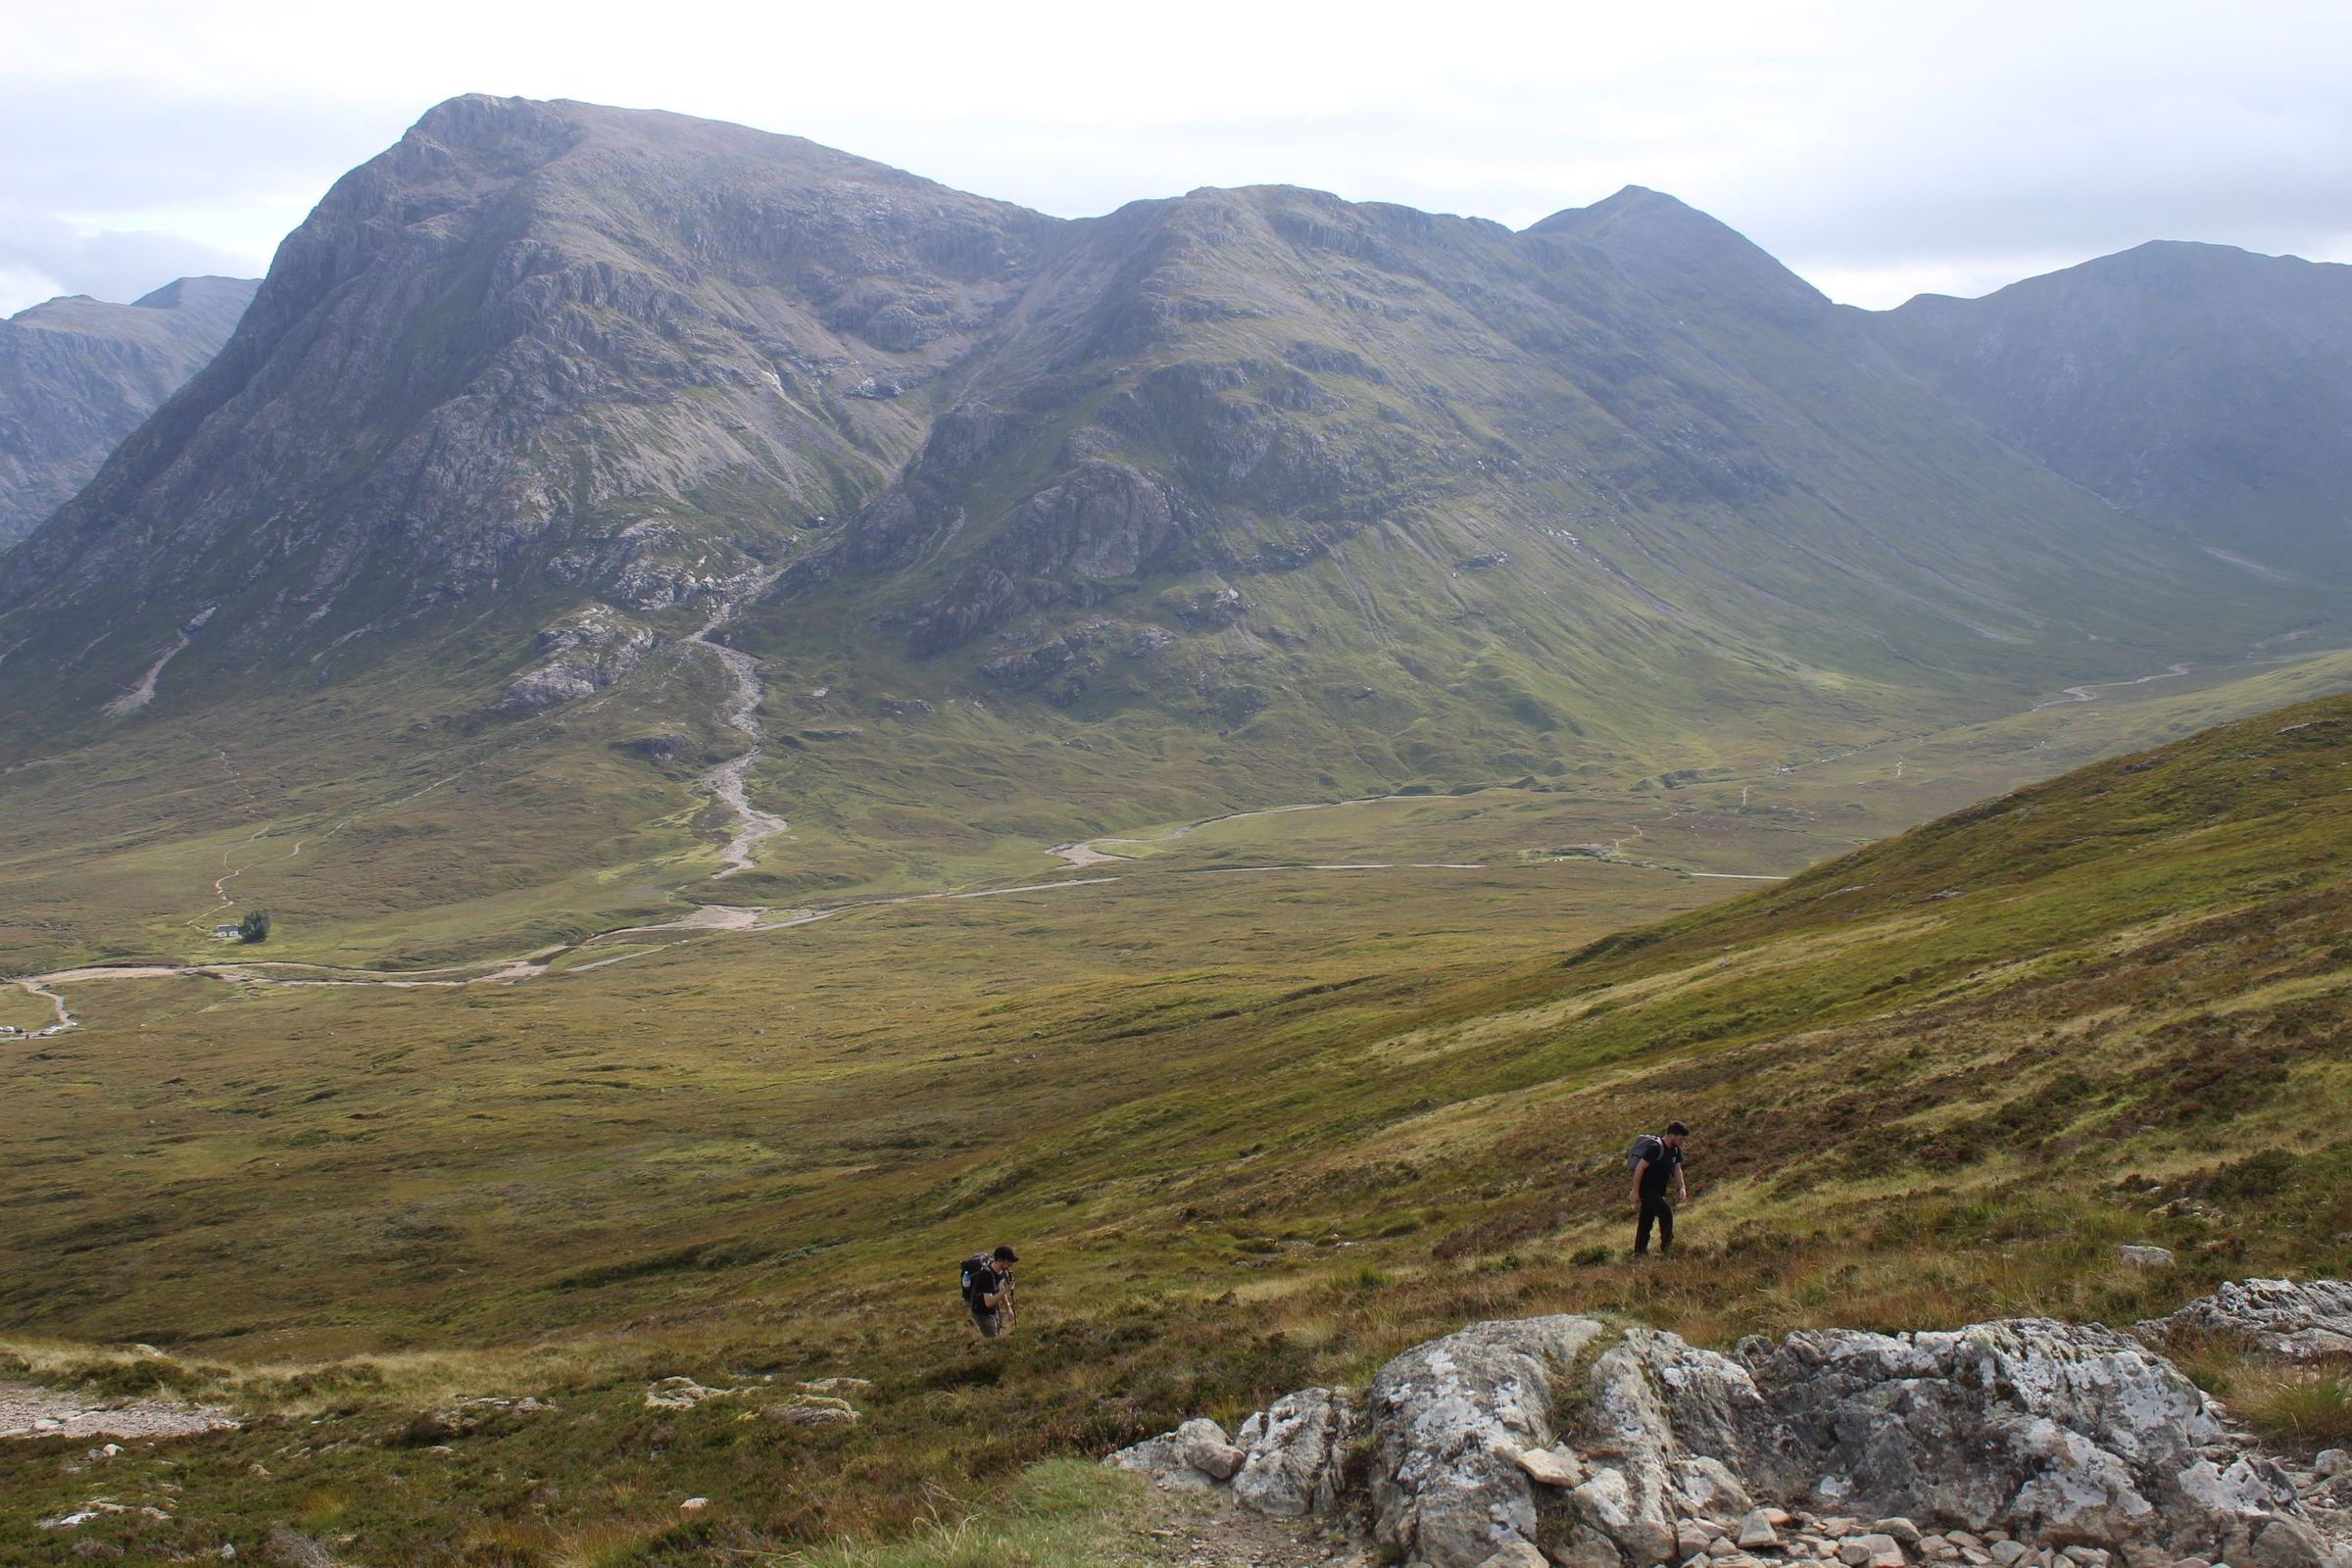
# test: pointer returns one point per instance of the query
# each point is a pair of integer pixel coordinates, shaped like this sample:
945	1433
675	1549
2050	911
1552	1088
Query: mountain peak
1676	250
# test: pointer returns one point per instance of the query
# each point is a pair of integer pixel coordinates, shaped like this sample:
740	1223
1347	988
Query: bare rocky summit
78	374
1565	1441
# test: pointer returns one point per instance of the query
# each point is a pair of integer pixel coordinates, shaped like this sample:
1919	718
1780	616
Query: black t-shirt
987	1278
1658	1175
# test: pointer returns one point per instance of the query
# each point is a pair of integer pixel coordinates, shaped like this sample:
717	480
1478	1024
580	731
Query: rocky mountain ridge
78	375
1567	1442
1390	495
2195	385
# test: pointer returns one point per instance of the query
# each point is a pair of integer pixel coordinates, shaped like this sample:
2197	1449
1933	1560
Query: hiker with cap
1656	1161
987	1290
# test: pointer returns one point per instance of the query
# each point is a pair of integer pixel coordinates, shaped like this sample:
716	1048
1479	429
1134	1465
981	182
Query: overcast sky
1879	149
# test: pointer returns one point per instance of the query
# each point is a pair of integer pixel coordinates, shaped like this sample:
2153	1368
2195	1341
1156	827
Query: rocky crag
2017	1444
1239	452
78	374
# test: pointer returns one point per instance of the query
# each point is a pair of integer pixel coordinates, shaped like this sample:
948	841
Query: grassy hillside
1252	1129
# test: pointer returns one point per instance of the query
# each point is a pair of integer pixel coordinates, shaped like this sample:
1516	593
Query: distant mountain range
78	374
1382	494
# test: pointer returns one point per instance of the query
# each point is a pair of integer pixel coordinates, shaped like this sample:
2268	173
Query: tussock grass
2311	1406
1058	1514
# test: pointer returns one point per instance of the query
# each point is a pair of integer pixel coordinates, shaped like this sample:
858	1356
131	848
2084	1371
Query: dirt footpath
1196	1531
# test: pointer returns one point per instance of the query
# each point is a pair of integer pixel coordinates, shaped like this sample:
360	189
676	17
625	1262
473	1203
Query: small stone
1884	1550
2148	1257
2088	1556
1855	1552
2008	1553
1552	1467
2287	1543
1518	1554
1777	1518
1723	1547
1934	1548
1690	1538
1757	1532
1963	1539
2191	1562
1902	1530
1219	1461
1975	1558
1839	1529
694	1505
2331	1462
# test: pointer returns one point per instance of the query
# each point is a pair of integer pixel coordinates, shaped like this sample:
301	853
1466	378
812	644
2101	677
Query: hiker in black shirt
1660	1163
987	1290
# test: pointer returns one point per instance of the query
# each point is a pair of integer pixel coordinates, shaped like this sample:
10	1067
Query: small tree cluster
255	927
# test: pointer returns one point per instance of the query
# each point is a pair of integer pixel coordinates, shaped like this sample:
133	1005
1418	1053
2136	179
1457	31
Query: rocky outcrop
2024	1441
585	652
2300	1322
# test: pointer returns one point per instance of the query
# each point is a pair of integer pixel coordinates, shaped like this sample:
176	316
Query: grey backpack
1646	1147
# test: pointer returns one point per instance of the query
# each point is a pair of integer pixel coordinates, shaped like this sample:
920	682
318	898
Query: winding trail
39	987
2090	693
727	782
1088	852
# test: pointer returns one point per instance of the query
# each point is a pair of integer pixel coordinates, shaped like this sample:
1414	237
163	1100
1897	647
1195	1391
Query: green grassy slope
1253	1129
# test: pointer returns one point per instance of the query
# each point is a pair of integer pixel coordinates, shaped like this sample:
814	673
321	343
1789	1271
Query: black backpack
979	1276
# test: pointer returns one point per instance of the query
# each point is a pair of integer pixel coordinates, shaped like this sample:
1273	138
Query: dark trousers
1660	1212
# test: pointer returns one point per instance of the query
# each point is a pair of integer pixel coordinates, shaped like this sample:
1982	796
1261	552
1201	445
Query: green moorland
1252	1129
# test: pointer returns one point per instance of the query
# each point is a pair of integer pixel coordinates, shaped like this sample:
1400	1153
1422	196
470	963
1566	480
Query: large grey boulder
2299	1322
1449	1420
2058	1432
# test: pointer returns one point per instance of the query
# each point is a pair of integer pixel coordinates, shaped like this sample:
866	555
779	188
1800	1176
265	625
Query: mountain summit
1318	494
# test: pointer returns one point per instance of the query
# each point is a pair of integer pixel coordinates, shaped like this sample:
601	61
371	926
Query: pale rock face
1295	1447
2301	1322
1449	1418
2038	1426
